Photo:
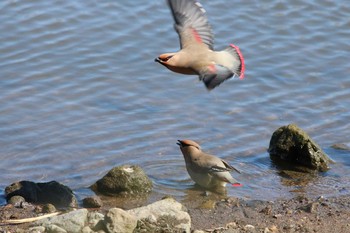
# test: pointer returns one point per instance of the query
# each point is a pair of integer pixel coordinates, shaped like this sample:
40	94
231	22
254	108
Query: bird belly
205	180
181	70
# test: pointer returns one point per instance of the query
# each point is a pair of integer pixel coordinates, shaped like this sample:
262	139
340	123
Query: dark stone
292	144
42	193
92	202
122	181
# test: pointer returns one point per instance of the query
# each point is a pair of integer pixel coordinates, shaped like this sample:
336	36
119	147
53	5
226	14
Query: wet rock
92	202
166	215
50	192
292	144
118	220
124	180
73	221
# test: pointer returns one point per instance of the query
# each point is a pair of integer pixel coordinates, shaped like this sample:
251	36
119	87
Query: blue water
80	92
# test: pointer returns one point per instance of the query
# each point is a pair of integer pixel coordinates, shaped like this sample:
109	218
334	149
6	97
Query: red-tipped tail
241	67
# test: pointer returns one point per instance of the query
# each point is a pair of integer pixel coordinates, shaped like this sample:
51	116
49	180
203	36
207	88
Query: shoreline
299	214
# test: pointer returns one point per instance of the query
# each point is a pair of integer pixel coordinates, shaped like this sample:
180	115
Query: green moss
292	144
124	180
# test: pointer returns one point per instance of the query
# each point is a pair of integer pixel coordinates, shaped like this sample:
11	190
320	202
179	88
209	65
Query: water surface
80	92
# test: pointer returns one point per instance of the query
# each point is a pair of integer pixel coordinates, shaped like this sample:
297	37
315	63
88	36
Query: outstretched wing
191	23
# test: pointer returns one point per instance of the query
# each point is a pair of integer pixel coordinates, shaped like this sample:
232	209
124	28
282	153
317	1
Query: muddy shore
299	214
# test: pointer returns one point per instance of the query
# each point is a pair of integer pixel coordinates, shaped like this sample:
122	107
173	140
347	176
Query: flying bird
196	55
206	170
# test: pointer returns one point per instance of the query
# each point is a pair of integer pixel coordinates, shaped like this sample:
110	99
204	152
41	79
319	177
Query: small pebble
92	202
48	208
16	201
249	227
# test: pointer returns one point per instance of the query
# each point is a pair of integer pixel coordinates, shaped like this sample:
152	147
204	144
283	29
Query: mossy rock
122	181
290	143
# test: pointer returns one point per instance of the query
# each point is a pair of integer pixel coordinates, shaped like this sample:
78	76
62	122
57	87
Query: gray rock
292	144
123	180
166	215
120	221
49	192
92	202
16	200
87	230
95	221
54	229
72	222
38	229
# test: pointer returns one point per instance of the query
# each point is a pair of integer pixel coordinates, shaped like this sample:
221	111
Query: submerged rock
123	180
43	193
292	144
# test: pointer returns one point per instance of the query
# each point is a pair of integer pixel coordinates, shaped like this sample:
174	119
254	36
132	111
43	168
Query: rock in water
290	143
50	192
123	180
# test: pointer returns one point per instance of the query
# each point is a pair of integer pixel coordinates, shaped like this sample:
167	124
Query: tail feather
239	68
215	75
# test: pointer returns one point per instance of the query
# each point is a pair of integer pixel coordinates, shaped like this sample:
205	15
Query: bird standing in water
196	55
206	170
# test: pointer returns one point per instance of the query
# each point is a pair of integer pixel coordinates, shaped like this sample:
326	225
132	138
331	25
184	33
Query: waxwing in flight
196	55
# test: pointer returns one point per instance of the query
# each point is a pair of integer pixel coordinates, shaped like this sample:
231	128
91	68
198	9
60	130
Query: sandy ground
299	214
230	215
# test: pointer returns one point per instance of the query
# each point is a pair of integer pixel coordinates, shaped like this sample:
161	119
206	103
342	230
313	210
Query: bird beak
179	143
158	60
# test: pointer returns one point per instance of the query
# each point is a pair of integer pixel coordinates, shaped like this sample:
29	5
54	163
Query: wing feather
191	22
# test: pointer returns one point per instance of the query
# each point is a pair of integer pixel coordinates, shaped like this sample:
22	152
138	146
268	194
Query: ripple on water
80	93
